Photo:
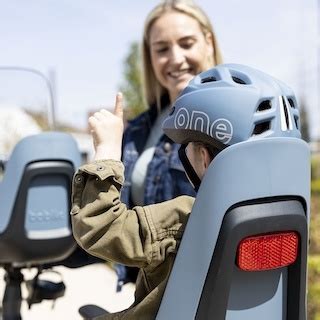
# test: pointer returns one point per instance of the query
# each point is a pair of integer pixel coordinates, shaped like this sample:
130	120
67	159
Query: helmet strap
190	172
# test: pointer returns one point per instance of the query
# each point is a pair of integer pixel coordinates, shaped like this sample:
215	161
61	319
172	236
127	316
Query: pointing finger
118	109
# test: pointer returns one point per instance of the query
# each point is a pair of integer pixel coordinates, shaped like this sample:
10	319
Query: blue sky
86	41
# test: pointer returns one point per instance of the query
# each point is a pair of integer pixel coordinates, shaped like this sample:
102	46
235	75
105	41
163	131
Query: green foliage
132	83
314	248
314	287
315	174
314	264
315	186
315	167
314	257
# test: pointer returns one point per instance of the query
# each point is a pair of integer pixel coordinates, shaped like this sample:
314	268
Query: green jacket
145	237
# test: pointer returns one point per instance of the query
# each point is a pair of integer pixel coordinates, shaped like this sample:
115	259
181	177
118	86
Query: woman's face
179	51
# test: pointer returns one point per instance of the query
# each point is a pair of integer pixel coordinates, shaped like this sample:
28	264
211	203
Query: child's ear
205	157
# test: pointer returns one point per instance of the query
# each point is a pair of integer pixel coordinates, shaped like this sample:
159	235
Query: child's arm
102	225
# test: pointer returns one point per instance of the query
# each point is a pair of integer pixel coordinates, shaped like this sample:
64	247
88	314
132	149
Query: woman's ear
209	42
208	38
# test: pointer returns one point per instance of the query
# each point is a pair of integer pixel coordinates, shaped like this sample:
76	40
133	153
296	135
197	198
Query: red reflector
268	251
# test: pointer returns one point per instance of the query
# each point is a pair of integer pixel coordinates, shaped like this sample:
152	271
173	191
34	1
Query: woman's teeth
179	73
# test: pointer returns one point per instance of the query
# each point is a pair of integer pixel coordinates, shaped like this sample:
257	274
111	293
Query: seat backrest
35	199
251	188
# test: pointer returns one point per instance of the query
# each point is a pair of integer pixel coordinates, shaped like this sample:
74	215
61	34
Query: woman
178	43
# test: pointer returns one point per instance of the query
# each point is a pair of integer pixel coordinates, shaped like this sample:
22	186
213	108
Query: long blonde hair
153	90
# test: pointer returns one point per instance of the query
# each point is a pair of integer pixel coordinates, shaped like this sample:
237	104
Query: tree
132	83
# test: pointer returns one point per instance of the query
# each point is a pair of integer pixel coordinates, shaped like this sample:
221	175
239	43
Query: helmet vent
264	105
291	103
172	111
261	128
296	121
286	113
238	80
208	79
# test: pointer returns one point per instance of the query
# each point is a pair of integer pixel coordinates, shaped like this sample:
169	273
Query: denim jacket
165	178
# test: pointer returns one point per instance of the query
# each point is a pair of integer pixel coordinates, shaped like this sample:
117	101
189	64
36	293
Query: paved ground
94	284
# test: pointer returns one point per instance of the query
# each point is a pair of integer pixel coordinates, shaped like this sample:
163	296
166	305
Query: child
216	110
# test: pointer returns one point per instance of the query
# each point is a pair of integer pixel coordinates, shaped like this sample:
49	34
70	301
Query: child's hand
107	130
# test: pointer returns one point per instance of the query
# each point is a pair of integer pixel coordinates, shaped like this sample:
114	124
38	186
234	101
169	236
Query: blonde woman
178	43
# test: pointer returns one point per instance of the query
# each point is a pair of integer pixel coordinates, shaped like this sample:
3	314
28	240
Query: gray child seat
35	198
257	187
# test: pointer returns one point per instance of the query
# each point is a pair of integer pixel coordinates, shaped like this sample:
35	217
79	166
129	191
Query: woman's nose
177	55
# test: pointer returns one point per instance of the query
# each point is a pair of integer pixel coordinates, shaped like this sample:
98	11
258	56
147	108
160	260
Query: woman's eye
187	44
162	50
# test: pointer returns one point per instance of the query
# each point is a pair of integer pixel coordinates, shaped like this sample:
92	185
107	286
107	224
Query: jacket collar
149	116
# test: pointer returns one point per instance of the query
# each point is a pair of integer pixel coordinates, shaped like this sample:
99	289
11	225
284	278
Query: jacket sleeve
104	227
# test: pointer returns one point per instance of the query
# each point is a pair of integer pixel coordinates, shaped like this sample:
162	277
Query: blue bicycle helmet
231	103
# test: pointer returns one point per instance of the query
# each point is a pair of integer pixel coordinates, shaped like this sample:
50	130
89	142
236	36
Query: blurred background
89	50
82	45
